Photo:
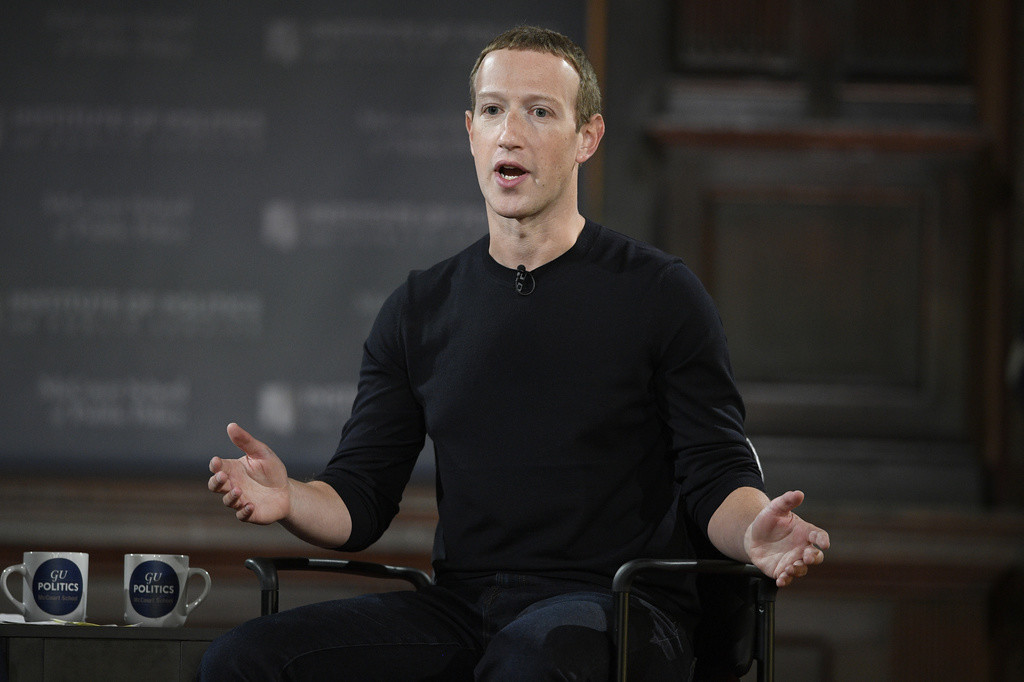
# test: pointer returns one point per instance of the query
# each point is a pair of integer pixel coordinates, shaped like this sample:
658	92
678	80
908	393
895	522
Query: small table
34	653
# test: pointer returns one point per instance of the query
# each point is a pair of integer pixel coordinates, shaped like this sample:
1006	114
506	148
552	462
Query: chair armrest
266	569
628	571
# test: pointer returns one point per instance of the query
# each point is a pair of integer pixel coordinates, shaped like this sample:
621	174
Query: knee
217	660
567	652
239	654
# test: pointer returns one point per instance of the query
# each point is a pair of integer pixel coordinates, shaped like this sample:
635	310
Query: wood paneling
819	287
844	279
854	38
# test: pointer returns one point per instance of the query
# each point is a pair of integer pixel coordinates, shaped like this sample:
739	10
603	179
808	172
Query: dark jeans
505	627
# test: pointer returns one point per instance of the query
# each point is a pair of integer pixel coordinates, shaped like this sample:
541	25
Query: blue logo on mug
57	586
153	589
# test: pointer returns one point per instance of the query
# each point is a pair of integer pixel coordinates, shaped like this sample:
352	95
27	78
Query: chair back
724	639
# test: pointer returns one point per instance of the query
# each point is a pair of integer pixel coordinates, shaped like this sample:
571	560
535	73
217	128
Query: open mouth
510	172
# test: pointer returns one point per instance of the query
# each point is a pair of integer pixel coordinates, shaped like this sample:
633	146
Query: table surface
182	634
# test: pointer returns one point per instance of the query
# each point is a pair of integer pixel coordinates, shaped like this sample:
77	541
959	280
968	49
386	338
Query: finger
231	498
813	556
818	542
797	569
216	464
219	482
244	513
819	539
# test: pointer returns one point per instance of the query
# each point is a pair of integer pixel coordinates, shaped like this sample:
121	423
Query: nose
509	135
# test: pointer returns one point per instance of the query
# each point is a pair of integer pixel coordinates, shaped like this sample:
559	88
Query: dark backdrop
203	206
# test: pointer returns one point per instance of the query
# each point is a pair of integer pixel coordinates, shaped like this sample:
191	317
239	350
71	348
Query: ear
469	129
590	137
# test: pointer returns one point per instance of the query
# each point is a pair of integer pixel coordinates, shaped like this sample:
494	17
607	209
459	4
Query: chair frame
763	644
266	570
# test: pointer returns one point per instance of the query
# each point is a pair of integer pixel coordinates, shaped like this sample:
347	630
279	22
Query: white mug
154	589
53	586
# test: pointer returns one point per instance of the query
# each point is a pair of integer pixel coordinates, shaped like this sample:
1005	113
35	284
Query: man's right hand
255	485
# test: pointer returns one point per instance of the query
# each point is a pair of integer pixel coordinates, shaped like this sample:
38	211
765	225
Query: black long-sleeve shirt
565	423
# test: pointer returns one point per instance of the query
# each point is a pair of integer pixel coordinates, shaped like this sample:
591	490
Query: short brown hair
535	39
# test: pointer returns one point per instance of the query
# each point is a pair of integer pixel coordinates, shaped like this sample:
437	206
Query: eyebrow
531	97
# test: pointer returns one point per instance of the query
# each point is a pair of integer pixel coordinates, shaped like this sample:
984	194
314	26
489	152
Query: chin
510	212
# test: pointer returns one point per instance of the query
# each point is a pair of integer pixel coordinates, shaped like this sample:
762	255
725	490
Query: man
576	386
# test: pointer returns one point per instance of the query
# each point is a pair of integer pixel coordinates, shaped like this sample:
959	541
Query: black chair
736	626
266	569
737	621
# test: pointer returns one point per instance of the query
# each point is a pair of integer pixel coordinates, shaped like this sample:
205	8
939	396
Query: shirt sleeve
698	397
384	435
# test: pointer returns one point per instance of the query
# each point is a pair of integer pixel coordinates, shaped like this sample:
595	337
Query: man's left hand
781	543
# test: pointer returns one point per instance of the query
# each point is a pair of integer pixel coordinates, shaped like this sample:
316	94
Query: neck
518	242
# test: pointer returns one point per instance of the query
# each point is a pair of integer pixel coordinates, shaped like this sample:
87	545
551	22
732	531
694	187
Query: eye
490	110
541	112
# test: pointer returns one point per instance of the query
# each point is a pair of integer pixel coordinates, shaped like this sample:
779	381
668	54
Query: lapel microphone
525	283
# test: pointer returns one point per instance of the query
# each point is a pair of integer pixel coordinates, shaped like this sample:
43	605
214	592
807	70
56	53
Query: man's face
523	134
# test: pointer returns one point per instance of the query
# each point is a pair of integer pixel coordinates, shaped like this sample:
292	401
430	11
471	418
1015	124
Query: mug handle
202	595
17	568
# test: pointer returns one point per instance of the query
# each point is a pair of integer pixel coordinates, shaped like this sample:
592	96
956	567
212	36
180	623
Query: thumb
245	442
787	502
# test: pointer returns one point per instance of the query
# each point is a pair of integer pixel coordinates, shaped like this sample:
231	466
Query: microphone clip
525	283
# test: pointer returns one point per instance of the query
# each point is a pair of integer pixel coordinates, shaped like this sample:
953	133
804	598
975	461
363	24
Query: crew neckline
573	254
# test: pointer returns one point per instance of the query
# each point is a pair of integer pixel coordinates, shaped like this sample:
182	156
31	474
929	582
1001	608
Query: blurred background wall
201	210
